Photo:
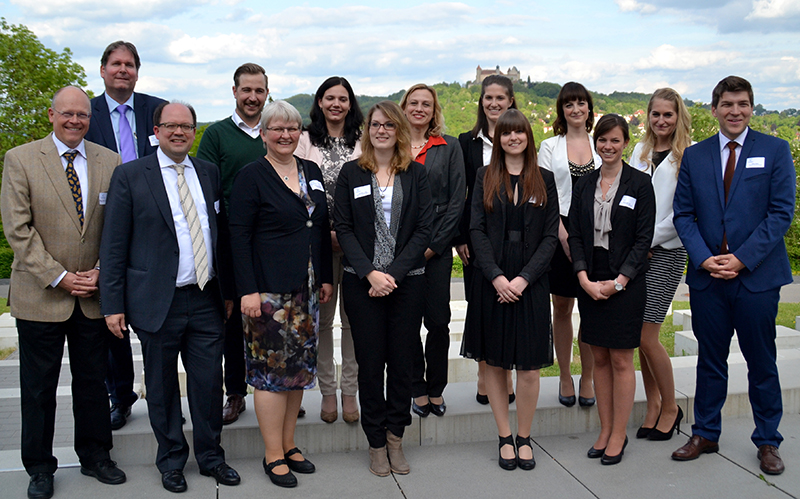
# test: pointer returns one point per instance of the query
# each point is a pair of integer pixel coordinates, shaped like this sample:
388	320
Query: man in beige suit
53	196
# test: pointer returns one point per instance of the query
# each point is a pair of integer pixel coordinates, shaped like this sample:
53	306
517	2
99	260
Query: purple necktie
126	147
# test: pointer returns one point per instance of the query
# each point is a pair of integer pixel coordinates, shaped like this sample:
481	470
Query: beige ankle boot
397	460
378	461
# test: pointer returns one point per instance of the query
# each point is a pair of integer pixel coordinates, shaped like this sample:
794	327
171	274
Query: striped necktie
195	231
74	183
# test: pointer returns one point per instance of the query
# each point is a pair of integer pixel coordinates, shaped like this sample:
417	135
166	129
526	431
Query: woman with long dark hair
382	216
514	230
332	139
497	96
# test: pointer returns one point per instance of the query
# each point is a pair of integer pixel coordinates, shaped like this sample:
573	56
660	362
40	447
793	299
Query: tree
30	73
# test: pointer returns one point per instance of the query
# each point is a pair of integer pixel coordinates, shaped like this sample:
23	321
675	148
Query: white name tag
628	202
754	163
216	206
153	140
103	197
316	185
360	192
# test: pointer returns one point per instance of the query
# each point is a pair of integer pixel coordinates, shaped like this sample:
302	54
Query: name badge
754	163
360	192
216	206
153	140
103	197
316	185
628	202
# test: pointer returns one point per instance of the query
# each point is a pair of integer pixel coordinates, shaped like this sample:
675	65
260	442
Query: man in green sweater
231	144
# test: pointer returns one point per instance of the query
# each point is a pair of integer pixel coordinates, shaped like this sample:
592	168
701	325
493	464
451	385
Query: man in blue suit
733	204
127	130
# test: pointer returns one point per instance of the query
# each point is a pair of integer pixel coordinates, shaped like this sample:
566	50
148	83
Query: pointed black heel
656	434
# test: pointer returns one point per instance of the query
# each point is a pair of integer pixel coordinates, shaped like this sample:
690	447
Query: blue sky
189	50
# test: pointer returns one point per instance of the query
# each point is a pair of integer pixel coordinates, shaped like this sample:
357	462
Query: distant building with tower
481	74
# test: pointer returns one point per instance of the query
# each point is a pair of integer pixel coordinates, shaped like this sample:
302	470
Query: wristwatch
619	287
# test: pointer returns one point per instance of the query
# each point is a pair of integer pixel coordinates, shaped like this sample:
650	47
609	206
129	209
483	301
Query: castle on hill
481	74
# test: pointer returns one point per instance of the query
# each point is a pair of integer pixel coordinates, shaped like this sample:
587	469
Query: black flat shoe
611	460
566	401
304	466
656	434
511	398
525	464
584	401
437	409
421	410
482	399
288	480
40	486
507	464
173	481
223	474
105	471
595	453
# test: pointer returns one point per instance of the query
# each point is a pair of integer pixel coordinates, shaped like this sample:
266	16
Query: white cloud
683	58
773	9
634	6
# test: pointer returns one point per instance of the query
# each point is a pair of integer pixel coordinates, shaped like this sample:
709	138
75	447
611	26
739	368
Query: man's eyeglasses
171	127
69	115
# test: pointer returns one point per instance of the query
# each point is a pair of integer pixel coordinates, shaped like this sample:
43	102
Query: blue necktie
127	149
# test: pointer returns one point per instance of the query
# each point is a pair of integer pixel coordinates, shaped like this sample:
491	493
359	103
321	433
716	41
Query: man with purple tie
122	121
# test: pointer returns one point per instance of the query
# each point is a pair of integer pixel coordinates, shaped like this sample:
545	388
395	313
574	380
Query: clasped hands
381	284
600	290
251	303
509	291
723	266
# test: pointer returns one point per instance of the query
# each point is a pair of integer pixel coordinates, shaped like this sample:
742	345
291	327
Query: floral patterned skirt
281	345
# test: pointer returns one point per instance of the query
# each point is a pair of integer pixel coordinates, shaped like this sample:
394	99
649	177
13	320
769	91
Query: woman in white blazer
668	133
569	155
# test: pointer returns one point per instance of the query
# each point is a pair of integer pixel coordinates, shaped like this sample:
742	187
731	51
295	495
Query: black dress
510	335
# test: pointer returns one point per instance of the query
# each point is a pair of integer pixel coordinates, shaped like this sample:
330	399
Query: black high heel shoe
595	453
566	401
507	464
584	401
610	460
643	432
525	464
481	399
656	434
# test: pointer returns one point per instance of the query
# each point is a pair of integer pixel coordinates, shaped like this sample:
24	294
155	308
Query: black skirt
617	321
563	281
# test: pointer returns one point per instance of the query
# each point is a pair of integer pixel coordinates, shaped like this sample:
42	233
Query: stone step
786	339
465	421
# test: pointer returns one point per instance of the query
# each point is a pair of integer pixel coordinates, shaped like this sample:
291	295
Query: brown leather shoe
234	406
694	447
771	462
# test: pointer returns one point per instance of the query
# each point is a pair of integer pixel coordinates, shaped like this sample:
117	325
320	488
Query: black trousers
119	379
235	383
384	332
41	348
194	329
430	368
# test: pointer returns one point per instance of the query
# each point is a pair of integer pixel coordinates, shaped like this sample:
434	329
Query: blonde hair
681	137
436	126
402	147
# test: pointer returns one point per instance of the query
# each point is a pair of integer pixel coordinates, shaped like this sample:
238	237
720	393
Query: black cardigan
271	230
472	150
631	229
445	167
354	220
540	235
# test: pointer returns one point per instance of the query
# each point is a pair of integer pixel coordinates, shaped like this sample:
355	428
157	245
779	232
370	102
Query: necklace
420	146
288	166
383	190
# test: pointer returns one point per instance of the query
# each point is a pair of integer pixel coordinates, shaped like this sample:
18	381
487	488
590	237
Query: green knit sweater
230	148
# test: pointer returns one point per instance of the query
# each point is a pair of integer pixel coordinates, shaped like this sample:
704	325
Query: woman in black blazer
610	230
444	164
281	245
383	216
514	231
497	95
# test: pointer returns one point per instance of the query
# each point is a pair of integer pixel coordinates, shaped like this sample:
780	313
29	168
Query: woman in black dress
610	231
514	230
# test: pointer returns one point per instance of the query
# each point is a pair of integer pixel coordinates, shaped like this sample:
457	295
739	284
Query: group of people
245	251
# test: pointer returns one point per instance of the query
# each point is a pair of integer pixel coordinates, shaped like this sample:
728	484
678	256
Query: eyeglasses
69	115
171	127
388	126
278	130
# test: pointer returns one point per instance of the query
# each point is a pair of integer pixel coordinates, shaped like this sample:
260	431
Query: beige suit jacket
42	227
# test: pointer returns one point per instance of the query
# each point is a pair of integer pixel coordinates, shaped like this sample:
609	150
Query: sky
190	49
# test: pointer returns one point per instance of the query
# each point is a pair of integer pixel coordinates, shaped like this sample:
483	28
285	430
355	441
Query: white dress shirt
186	271
129	114
252	132
725	153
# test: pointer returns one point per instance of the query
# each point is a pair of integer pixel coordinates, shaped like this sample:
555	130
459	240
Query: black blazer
139	249
354	220
445	167
631	229
540	236
271	230
473	160
101	131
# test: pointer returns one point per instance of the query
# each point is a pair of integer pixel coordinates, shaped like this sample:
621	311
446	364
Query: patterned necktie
127	149
727	180
74	183
195	231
